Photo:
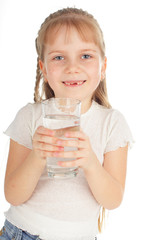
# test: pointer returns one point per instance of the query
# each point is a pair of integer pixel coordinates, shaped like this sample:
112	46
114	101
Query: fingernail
66	134
61	148
56	154
52	133
59	142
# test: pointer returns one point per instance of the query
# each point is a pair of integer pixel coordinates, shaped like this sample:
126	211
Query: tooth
69	83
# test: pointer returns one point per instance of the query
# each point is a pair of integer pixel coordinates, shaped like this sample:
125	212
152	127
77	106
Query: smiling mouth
74	83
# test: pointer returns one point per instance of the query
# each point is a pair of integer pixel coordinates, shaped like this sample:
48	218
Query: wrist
93	168
37	160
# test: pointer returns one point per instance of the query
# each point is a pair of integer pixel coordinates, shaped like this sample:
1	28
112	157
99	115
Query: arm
25	166
106	182
22	174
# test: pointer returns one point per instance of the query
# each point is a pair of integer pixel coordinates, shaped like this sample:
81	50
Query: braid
37	83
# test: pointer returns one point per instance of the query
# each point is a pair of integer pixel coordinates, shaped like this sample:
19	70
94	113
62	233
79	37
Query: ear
104	66
43	69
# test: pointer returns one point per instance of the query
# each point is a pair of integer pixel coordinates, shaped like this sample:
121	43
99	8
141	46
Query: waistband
17	233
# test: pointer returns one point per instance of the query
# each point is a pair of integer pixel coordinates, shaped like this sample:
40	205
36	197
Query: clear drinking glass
61	114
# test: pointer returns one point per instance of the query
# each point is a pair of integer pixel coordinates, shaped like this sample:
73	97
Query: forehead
68	40
68	33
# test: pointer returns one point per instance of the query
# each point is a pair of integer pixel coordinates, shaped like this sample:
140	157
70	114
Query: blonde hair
89	30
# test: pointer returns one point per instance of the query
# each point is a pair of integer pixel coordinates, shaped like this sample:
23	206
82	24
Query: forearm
20	184
107	190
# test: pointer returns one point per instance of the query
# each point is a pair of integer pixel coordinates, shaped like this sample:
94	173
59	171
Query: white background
131	30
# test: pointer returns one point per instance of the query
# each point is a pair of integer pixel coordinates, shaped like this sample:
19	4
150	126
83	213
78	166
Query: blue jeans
11	232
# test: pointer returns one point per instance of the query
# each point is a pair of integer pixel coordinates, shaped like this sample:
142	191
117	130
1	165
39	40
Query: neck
85	105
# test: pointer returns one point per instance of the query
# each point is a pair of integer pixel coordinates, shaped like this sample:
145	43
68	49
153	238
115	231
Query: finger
45	154
73	163
76	134
46	131
71	143
47	147
70	154
44	138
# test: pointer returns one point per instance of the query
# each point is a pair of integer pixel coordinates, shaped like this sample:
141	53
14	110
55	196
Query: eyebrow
56	51
88	50
63	51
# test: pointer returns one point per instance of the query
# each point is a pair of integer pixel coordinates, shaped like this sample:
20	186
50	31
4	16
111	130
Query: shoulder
28	115
109	118
30	109
107	113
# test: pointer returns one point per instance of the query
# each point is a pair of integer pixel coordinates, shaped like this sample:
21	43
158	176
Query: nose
72	66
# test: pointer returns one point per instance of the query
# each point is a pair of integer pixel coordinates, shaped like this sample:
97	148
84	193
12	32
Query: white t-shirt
66	209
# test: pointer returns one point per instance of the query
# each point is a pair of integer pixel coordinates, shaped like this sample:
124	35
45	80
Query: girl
71	63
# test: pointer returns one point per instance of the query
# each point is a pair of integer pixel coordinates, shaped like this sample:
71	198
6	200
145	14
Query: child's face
72	67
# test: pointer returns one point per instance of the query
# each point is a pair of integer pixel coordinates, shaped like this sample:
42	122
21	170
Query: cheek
95	71
52	71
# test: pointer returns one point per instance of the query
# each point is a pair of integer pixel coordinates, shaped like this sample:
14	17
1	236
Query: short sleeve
119	133
20	130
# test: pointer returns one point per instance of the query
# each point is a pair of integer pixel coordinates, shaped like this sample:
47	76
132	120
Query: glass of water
62	115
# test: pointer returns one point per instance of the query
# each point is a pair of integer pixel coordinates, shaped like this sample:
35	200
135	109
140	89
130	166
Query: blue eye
58	58
86	56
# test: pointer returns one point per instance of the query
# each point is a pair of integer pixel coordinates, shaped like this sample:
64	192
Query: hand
44	141
85	157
